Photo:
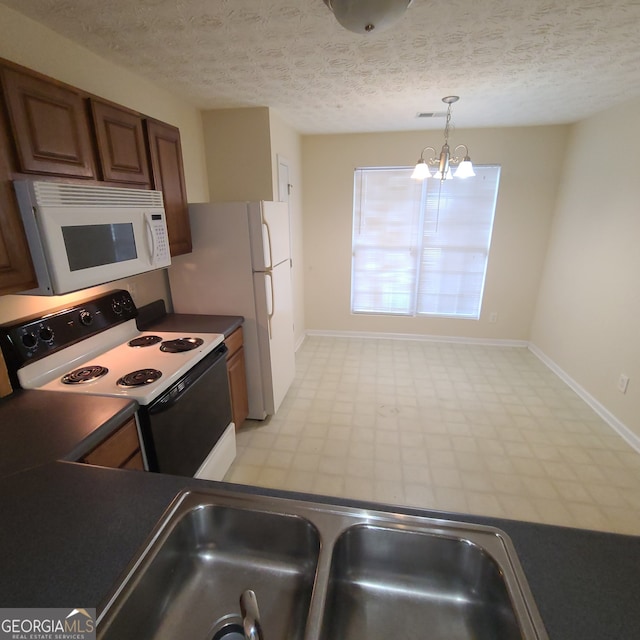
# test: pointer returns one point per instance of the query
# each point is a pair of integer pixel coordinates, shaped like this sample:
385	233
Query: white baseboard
418	337
631	438
300	341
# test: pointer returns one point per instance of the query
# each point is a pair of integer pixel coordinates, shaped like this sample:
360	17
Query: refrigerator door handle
268	243
271	308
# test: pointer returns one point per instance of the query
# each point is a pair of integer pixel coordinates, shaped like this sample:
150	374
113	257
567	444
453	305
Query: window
421	248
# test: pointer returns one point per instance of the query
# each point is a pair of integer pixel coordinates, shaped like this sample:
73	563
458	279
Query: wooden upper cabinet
121	147
50	126
167	175
16	269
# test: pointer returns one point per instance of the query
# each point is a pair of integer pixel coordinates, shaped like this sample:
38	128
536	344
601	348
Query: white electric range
179	380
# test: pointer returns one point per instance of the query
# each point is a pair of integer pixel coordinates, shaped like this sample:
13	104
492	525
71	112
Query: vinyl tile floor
454	427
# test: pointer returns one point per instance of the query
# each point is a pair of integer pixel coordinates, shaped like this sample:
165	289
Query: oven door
181	427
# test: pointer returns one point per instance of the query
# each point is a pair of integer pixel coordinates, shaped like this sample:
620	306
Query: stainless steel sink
319	572
189	582
429	586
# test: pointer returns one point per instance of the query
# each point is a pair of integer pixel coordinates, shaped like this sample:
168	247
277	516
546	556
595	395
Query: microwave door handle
151	241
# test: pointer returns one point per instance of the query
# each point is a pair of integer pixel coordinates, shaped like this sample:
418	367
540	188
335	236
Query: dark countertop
154	317
37	427
70	530
196	323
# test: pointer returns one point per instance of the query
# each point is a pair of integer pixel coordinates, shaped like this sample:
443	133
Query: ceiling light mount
365	16
445	159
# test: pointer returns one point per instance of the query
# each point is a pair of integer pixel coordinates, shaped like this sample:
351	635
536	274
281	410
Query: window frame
423	198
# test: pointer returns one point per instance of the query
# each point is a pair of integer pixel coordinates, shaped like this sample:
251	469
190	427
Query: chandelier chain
447	125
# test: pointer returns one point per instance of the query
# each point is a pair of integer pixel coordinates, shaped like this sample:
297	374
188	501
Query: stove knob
29	340
86	318
46	334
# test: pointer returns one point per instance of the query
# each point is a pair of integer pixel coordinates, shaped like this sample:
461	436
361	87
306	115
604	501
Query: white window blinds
421	247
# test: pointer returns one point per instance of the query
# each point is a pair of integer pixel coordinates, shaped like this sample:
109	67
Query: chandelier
363	16
446	159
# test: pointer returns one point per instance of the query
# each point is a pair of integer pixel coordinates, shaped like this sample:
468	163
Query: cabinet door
16	270
238	387
119	450
167	175
123	157
50	126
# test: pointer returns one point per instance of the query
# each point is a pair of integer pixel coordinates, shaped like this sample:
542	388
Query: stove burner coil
144	341
181	344
84	374
139	378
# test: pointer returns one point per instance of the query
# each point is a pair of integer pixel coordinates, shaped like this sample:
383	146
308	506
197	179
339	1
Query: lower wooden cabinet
120	450
236	370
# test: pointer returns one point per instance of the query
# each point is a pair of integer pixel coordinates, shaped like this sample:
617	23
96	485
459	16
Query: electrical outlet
493	317
623	383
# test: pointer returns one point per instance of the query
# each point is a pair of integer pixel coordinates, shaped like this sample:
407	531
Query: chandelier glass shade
445	159
365	16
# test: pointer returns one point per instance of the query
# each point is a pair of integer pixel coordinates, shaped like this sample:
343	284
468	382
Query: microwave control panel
161	254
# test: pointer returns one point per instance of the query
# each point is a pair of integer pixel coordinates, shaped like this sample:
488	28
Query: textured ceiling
513	62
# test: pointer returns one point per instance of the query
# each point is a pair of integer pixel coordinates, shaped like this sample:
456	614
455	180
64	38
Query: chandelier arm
431	160
456	159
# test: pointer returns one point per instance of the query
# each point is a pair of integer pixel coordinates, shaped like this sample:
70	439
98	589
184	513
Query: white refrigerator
240	265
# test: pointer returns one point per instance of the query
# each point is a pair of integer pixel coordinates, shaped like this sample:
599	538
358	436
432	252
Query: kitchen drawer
118	450
234	342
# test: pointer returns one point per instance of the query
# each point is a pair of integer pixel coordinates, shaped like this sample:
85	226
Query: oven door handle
171	396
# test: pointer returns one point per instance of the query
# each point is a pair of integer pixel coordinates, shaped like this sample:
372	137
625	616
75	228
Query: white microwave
84	235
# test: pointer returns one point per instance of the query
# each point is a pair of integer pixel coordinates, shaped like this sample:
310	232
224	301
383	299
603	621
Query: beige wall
36	47
531	160
587	314
242	150
238	149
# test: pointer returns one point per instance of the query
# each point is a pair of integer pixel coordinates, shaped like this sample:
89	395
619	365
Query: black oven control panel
35	337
